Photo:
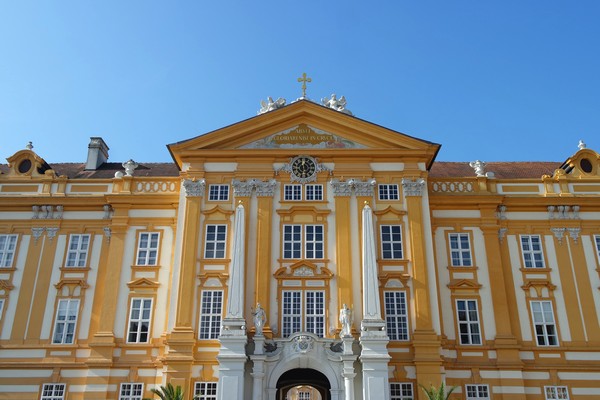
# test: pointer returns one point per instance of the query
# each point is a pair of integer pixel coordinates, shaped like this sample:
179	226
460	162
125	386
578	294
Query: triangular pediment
301	127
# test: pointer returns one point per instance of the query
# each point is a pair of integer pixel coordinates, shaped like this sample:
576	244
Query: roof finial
29	146
581	145
304	79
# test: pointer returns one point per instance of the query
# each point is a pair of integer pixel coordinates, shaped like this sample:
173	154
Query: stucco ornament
303	344
336	104
130	166
270	105
478	166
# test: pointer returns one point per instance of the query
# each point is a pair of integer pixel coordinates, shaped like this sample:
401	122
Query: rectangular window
596	238
291	313
292	241
468	322
556	392
78	250
292	192
53	391
147	252
460	250
1	309
131	391
298	318
315	312
314	192
304	396
401	391
391	242
396	315
66	321
531	246
478	392
543	323
211	309
388	192
216	238
218	192
205	390
314	241
139	321
8	244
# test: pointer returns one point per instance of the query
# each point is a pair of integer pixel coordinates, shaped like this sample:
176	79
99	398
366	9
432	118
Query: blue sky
490	80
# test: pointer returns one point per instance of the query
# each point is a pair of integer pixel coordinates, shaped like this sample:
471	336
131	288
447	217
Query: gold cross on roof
304	79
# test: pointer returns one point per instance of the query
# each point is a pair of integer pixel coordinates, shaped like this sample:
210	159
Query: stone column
232	354
425	340
181	340
373	336
348	373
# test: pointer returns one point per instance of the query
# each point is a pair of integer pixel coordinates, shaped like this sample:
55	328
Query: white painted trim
522	306
559	308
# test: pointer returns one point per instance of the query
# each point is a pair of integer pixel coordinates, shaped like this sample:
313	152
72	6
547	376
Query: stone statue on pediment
336	104
270	104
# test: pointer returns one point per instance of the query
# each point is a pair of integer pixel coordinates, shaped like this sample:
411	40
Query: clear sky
509	80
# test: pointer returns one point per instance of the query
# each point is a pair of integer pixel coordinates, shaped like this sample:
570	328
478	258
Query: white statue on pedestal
260	319
346	321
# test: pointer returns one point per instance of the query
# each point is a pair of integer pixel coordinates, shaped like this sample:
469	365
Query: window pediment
303	270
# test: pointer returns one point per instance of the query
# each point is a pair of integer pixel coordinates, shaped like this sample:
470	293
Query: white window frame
77	250
533	252
8	246
401	391
211	312
131	391
468	319
477	392
391	242
218	192
396	315
140	316
299	315
215	241
292	192
65	323
303	241
147	251
556	393
460	249
388	192
313	192
544	323
314	242
201	388
53	391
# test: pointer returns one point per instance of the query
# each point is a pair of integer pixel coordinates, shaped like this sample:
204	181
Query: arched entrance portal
303	384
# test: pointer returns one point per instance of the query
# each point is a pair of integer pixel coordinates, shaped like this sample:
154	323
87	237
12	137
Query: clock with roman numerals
303	167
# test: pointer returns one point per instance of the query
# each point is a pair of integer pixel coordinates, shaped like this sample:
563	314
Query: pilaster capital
262	188
194	188
413	188
353	186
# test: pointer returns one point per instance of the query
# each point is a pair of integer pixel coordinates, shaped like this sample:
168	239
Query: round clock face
303	167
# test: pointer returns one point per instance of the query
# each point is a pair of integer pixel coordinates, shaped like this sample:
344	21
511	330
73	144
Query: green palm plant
168	392
437	394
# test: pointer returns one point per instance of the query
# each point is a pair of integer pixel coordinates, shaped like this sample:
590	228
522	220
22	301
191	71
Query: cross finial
304	79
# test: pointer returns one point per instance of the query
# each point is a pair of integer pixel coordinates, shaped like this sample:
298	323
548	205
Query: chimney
97	153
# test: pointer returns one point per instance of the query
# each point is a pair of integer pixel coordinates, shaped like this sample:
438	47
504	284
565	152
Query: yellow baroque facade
300	254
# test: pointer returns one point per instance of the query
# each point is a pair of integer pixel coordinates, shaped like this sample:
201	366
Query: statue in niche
260	319
346	321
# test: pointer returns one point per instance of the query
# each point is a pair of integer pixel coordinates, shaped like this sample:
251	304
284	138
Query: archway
302	380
